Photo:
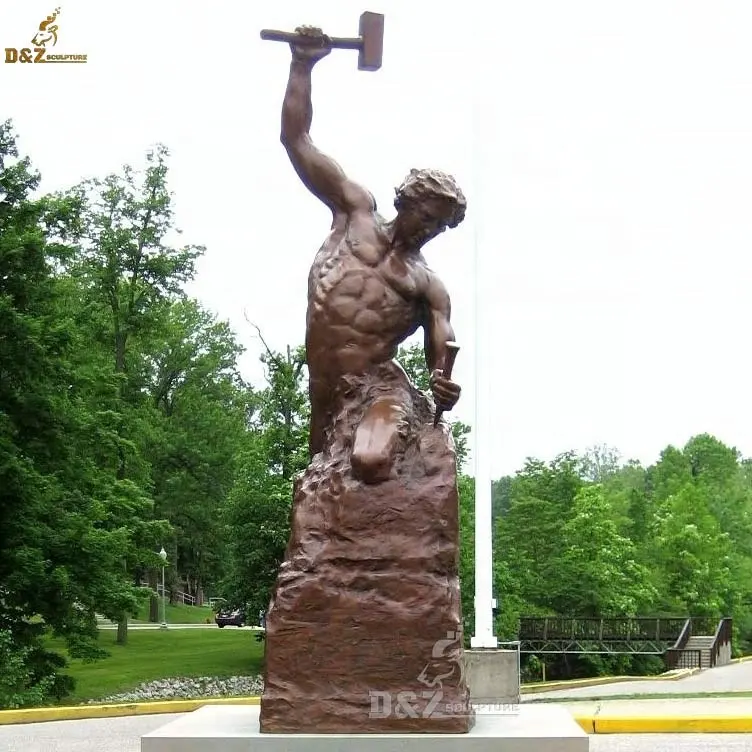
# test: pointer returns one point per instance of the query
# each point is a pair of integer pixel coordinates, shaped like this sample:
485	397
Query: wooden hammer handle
342	43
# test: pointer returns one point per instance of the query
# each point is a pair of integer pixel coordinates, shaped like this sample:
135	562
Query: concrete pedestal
235	728
493	676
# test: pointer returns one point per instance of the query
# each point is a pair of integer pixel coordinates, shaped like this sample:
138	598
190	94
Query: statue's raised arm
319	172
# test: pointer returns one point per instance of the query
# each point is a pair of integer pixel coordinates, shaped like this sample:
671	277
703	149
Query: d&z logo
42	42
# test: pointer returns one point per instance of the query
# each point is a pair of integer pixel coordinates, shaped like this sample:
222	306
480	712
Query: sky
605	150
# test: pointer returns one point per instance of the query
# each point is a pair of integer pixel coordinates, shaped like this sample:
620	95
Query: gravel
189	688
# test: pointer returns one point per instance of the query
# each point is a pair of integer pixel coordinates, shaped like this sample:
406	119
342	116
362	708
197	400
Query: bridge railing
683	658
675	656
721	641
601	629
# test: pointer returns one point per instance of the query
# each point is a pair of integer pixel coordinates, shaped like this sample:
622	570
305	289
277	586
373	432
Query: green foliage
63	538
257	514
466	488
600	574
121	413
528	543
198	407
19	686
591	536
283	411
693	555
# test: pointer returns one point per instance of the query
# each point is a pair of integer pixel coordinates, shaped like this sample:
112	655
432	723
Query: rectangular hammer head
371	32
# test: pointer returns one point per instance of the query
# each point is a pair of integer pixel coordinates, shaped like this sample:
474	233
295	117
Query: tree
716	469
257	514
527	540
62	544
129	273
669	474
199	410
600	462
283	410
692	556
698	540
256	528
599	574
500	496
466	488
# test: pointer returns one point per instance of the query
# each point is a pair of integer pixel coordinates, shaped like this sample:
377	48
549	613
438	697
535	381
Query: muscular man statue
369	287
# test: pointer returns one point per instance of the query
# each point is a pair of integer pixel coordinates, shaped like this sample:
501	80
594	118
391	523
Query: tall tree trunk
122	630
154	599
120	340
174	576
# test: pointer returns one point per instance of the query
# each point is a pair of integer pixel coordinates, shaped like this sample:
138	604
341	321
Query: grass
178	614
162	654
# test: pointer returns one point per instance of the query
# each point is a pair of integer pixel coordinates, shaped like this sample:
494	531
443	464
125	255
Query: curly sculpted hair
422	184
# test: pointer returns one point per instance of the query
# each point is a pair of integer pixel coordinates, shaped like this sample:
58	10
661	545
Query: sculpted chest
368	270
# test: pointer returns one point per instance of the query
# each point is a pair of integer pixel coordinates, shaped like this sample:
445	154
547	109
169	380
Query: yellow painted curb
591	724
585	722
79	712
571	684
743	659
708	724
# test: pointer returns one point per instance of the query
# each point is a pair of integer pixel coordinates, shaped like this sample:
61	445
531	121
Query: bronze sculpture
369	585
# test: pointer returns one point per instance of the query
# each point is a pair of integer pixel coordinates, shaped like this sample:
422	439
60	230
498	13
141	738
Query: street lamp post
163	556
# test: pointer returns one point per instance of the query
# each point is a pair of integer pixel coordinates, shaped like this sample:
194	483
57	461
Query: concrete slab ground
235	728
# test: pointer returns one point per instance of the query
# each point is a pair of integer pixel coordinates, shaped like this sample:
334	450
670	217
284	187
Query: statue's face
420	221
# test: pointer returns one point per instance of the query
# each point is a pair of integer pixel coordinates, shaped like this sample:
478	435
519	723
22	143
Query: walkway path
736	677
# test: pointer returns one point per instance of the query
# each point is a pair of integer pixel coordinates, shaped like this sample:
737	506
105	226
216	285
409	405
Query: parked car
233	618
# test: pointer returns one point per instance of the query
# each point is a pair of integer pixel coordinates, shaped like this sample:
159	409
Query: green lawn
178	614
161	654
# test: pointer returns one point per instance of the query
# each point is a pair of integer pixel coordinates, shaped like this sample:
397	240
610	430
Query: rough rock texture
367	602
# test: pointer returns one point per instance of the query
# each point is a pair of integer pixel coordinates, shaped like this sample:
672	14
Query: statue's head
427	202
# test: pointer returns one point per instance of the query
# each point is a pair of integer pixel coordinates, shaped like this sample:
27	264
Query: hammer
370	43
451	355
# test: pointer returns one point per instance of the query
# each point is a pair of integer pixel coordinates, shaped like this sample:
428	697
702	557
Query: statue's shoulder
421	266
435	290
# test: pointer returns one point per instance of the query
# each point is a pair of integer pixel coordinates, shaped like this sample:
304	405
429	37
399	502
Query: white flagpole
484	602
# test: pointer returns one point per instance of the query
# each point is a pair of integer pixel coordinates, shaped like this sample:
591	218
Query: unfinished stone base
365	614
235	728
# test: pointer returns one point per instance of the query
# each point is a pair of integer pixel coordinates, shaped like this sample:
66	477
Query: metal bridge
663	636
